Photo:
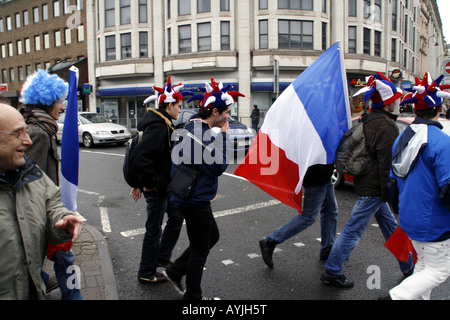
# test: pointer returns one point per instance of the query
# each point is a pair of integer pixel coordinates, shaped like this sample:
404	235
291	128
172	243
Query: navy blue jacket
205	151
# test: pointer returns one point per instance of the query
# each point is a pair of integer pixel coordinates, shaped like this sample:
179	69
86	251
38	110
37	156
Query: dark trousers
157	245
203	234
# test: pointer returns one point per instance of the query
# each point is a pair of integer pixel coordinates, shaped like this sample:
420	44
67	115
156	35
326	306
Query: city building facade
40	34
259	46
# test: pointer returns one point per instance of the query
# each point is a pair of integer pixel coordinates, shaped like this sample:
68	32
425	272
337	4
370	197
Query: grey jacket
30	205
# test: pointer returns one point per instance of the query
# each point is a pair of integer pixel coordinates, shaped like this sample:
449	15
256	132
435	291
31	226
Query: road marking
104	153
104	218
227	262
218	214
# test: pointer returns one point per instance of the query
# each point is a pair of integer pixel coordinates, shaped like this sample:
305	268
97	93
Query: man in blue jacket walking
207	154
420	166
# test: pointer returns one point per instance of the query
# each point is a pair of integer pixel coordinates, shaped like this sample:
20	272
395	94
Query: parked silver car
94	128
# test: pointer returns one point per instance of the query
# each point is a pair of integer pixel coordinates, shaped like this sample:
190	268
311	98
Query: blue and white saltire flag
302	128
70	146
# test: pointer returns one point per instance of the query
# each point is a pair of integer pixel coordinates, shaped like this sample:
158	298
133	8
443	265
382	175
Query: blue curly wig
43	88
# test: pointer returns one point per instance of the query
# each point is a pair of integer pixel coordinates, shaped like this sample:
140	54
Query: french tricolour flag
70	146
302	128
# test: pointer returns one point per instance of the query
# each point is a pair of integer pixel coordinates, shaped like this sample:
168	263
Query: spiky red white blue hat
168	94
381	91
426	94
215	95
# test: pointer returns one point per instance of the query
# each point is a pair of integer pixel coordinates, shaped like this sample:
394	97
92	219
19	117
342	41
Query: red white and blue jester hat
426	94
168	94
215	95
381	91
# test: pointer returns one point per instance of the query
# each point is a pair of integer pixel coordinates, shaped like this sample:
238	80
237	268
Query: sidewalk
98	281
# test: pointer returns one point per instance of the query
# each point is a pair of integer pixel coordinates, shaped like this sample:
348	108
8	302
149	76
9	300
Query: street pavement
97	279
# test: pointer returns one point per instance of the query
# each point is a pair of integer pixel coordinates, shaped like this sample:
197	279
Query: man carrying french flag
302	128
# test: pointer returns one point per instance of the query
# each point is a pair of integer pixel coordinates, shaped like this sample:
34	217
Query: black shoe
165	264
176	284
267	252
325	253
51	285
407	274
154	278
339	281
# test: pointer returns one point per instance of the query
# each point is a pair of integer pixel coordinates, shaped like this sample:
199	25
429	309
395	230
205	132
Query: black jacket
151	159
380	136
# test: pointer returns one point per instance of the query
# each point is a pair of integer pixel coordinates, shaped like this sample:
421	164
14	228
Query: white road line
135	232
104	153
104	218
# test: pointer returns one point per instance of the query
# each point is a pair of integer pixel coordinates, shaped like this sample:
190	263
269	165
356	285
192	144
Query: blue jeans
363	211
62	261
157	246
316	199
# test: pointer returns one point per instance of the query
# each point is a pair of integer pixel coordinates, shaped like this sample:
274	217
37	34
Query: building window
204	36
36	15
169	41
4	76
296	4
352	39
143	11
46	41
110	48
224	5
377	12
224	35
8	24
352	8
125	46
367	41
10	49
80	33
67	7
27	45
184	39
184	7
203	6
394	14
110	20
19	47
263	4
17	20
405	58
294	34
56	9
324	6
26	20
67	36
11	75
366	9
20	73
394	50
4	54
263	34
377	43
2	26
58	38
143	45
324	36
37	43
168	9
45	12
27	70
125	12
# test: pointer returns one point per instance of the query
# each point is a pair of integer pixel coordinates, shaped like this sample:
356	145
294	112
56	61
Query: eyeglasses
21	135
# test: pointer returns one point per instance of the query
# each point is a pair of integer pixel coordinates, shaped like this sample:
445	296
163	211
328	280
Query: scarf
42	119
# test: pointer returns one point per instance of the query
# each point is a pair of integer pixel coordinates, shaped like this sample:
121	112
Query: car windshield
87	118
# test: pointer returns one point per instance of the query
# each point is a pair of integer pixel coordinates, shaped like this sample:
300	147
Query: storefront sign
3	87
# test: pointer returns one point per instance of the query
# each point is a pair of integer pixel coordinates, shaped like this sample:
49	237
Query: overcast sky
444	10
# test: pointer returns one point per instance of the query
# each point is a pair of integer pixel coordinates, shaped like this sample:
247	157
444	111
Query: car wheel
87	140
337	179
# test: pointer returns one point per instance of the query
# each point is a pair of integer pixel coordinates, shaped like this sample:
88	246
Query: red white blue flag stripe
302	128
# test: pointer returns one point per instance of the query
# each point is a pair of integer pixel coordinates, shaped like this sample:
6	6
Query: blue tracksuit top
421	165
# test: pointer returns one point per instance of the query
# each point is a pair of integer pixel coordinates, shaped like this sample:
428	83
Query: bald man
31	213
